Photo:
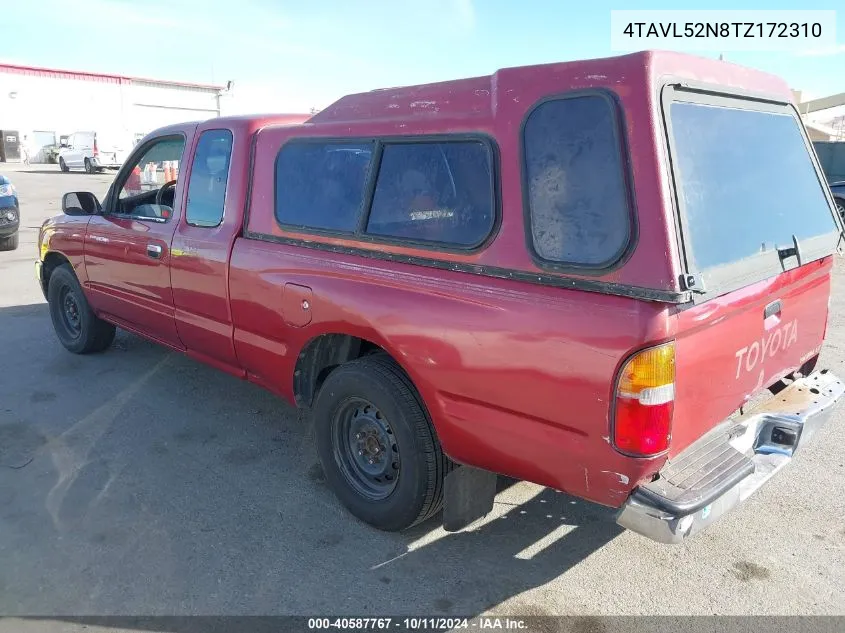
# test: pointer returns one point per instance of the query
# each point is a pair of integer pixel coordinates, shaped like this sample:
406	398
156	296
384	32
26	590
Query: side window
148	187
321	184
209	177
577	200
434	192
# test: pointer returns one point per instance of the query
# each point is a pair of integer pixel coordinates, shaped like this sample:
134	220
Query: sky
291	56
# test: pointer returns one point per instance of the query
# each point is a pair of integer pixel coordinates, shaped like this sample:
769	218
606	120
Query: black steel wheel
69	312
76	325
365	448
377	445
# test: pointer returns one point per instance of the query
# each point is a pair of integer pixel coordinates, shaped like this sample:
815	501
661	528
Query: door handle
154	251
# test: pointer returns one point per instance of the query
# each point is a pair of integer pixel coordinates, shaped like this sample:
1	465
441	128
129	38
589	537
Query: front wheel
77	327
377	445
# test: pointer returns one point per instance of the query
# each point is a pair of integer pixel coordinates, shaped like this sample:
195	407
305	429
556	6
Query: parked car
515	274
51	153
832	158
10	218
94	151
838	191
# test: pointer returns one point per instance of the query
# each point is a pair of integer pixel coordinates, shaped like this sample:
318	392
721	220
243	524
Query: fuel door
297	305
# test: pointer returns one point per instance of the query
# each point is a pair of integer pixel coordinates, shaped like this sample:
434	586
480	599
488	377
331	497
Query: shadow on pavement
56	171
37	170
209	489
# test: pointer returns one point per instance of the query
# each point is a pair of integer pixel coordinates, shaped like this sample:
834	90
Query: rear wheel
9	243
377	445
63	165
76	325
89	167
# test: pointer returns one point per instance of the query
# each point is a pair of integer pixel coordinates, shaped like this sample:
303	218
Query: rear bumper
724	468
9	229
106	163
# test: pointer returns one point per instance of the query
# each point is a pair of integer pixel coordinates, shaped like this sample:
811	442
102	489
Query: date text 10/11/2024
417	623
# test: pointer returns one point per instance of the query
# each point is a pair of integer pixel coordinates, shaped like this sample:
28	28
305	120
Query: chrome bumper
764	440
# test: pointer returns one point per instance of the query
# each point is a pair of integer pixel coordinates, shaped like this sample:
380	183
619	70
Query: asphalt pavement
138	481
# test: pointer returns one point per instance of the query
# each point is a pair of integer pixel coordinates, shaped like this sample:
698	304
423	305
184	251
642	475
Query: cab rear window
747	187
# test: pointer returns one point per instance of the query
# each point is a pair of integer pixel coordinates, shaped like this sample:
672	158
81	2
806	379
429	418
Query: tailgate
733	346
757	230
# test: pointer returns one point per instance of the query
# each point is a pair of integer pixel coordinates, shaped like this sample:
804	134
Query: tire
63	165
86	332
373	397
9	243
89	167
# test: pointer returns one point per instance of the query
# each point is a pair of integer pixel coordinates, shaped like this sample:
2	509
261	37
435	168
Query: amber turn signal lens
653	367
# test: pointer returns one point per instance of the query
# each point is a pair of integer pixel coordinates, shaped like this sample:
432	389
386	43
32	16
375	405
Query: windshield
747	185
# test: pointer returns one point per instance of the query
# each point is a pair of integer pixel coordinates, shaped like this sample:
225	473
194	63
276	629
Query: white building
44	104
824	118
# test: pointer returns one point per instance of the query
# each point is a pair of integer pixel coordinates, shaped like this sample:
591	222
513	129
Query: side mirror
63	144
80	203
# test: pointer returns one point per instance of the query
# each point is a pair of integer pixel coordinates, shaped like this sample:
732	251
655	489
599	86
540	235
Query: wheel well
320	356
51	262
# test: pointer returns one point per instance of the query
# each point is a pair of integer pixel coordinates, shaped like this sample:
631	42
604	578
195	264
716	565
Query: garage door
147	118
40	140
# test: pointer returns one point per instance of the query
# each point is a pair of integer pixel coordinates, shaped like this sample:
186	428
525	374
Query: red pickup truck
580	274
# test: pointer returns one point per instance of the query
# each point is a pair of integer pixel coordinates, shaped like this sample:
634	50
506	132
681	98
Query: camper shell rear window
747	189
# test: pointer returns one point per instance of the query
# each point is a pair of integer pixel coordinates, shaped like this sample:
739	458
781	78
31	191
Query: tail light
96	151
645	401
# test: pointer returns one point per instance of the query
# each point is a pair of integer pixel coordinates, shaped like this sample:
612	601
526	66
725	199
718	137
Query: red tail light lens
96	151
645	401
